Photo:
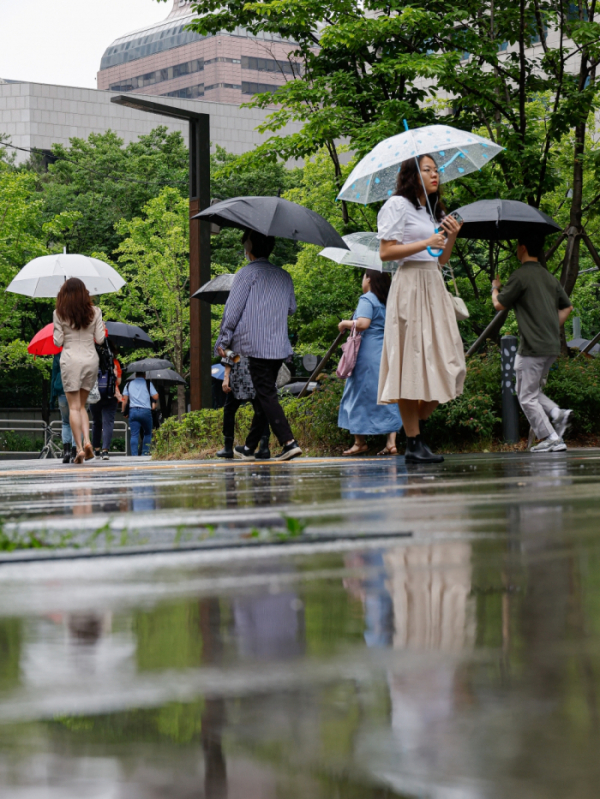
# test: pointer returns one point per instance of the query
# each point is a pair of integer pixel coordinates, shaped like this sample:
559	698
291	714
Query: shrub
313	420
575	384
474	418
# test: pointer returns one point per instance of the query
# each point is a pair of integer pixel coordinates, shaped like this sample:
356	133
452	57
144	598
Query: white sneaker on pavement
562	422
558	445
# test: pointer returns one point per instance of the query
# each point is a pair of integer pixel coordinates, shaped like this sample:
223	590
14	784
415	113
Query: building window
222	59
222	86
189	93
271	65
250	87
150	78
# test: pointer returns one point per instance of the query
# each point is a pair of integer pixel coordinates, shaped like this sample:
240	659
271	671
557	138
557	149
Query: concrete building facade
165	59
37	115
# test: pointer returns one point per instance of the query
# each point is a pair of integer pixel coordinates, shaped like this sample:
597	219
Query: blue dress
359	411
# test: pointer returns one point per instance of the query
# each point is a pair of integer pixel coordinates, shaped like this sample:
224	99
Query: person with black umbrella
541	306
255	325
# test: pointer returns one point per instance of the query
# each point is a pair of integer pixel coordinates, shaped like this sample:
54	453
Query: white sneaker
562	422
558	445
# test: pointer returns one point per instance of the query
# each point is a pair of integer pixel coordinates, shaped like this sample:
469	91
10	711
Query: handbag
460	309
94	395
349	354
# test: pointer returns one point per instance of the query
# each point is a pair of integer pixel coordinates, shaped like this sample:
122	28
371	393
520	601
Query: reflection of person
57	393
255	324
142	398
541	306
77	324
238	388
103	411
423	360
359	412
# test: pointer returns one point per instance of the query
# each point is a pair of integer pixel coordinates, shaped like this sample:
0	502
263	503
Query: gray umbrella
127	336
146	364
216	290
498	220
164	376
274	216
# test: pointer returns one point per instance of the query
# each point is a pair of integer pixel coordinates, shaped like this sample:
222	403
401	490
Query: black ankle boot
73	454
227	451
66	453
417	451
263	452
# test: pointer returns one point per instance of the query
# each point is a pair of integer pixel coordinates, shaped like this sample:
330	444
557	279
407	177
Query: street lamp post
199	144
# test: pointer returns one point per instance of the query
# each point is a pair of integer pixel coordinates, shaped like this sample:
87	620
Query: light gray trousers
531	370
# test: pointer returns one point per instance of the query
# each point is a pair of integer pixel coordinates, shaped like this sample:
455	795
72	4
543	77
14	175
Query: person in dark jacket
238	388
103	412
255	325
541	306
58	396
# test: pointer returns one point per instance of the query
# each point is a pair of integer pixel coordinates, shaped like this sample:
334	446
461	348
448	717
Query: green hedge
470	421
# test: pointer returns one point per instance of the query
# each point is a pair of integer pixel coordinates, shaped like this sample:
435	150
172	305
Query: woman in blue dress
359	411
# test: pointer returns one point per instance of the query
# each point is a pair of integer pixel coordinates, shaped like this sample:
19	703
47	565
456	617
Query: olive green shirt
536	297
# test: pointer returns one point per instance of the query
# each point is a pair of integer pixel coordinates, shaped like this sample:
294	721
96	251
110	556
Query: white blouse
400	221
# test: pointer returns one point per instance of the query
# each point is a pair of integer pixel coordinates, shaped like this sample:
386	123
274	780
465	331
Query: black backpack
107	381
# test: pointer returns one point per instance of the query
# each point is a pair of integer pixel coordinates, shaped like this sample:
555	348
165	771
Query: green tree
153	257
366	67
105	182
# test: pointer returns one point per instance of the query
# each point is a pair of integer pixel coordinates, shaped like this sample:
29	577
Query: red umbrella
42	343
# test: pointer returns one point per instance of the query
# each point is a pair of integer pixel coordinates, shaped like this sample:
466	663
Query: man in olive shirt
541	306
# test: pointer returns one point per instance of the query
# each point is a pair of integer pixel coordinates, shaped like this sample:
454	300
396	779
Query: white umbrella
363	252
456	153
44	276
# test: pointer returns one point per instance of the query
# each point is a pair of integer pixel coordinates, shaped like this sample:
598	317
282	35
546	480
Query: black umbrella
497	220
216	290
146	364
128	336
274	216
164	376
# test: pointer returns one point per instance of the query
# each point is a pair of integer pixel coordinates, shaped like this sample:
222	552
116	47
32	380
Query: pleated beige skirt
423	355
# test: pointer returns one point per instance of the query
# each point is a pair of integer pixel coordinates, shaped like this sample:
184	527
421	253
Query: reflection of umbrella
456	153
42	343
164	376
274	216
146	364
43	277
363	252
495	220
216	290
128	336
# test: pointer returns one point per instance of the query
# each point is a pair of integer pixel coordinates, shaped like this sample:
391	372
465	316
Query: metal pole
200	349
493	328
510	403
322	363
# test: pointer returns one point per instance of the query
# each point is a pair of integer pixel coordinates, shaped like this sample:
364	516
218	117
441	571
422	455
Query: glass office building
166	59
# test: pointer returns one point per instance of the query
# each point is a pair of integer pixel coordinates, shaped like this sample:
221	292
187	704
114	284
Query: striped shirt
256	313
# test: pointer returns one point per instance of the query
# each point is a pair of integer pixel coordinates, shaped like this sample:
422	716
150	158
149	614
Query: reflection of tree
10	653
213	718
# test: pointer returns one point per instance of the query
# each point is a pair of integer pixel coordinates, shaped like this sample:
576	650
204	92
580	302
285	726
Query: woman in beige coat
77	324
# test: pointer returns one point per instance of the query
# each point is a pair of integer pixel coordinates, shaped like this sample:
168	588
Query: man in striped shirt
255	325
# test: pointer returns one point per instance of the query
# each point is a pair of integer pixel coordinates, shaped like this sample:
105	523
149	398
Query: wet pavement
324	628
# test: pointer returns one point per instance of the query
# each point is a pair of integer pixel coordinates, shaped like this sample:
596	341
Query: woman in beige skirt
77	324
423	361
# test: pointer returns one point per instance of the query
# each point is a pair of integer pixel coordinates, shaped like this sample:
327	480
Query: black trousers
229	411
264	374
103	414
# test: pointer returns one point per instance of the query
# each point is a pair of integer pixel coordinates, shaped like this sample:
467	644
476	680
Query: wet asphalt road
323	628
